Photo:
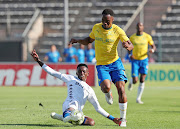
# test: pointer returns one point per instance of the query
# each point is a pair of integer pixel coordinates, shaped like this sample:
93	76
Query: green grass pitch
19	108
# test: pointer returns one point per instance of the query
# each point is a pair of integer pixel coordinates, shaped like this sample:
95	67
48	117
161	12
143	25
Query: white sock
123	108
109	93
57	116
131	81
140	90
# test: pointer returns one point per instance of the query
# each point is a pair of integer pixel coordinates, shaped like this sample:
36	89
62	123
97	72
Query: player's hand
151	50
128	45
73	41
116	120
125	44
35	55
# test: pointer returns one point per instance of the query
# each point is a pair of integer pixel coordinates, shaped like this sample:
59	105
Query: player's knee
105	89
105	86
89	121
135	80
142	80
92	123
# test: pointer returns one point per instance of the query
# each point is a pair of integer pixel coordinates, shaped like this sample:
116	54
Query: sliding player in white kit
78	93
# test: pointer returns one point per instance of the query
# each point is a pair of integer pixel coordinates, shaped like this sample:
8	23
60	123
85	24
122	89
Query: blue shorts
66	113
139	66
114	71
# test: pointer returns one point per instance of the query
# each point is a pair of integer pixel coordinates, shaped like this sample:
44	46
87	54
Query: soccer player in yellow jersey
139	57
109	66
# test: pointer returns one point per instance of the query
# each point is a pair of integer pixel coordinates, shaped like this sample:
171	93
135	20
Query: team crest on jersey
109	33
97	31
144	38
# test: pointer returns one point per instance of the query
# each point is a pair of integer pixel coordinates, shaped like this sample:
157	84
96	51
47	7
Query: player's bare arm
128	45
84	41
153	48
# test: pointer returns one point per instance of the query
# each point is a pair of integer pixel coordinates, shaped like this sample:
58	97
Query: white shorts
73	104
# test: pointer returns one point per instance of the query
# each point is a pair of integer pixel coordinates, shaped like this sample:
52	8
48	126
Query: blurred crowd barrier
160	74
30	74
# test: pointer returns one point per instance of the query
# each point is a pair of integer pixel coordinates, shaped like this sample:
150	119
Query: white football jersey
78	92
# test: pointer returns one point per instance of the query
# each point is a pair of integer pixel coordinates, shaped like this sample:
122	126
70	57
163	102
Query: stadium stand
168	29
80	24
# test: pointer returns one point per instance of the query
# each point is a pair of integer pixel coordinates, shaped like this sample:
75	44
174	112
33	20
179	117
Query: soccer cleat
130	87
122	122
56	116
109	98
139	101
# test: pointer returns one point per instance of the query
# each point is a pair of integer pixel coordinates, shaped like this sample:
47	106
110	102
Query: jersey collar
139	35
106	28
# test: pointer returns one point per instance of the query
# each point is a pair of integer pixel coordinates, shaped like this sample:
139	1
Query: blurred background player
139	58
70	54
109	66
53	56
78	93
81	54
90	53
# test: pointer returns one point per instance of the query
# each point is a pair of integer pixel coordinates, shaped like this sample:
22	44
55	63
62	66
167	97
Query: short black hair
79	65
108	11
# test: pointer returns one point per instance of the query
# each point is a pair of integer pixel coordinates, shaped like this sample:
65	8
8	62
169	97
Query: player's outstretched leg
56	116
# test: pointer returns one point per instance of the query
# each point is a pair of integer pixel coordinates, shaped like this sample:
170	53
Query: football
77	117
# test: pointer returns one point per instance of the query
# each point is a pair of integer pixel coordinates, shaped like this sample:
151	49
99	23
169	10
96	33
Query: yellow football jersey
140	43
106	43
